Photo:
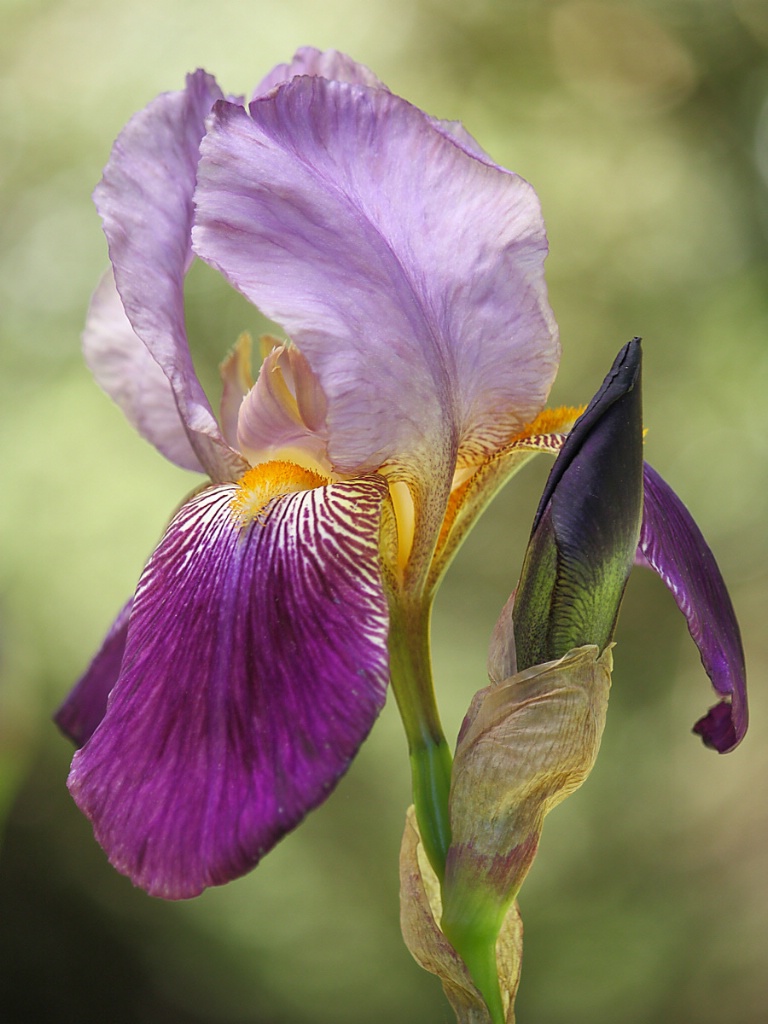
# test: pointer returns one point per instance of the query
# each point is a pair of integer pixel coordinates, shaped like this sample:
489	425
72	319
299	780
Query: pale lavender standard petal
672	545
331	64
123	367
338	67
83	709
145	202
408	272
255	665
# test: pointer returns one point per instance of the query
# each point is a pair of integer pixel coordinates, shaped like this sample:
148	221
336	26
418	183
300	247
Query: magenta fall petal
83	709
255	664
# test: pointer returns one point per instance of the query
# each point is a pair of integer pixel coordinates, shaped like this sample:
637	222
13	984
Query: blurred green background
644	128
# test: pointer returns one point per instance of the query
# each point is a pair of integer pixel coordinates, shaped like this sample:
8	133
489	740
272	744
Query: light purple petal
409	273
672	544
338	67
123	367
456	131
255	665
145	202
236	382
82	711
331	64
286	408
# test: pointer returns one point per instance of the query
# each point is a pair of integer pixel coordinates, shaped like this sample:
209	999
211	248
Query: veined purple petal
331	64
672	544
83	709
145	202
408	272
123	367
255	665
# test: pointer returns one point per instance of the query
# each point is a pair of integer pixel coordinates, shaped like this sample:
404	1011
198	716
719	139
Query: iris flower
406	269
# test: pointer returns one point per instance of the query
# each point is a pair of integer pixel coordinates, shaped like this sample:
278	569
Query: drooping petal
409	273
255	664
83	709
331	64
123	367
672	544
145	202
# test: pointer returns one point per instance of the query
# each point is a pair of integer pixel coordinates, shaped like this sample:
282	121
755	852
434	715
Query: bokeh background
644	128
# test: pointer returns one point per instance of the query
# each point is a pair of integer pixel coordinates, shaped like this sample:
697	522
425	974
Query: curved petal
123	367
672	545
286	409
145	202
255	665
236	382
83	709
338	67
331	64
409	273
456	131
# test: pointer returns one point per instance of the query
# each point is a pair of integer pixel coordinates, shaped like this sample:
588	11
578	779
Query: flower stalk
430	756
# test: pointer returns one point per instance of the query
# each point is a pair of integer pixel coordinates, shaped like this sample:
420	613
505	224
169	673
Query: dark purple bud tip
622	380
587	525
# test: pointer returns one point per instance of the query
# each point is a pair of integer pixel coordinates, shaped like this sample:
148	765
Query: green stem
471	923
411	671
431	762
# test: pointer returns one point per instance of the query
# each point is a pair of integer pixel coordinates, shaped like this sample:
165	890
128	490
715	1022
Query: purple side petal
82	711
409	273
672	545
145	202
331	64
123	367
255	665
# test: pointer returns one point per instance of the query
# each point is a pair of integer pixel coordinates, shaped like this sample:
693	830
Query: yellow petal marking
267	342
405	517
236	368
265	482
549	421
544	433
